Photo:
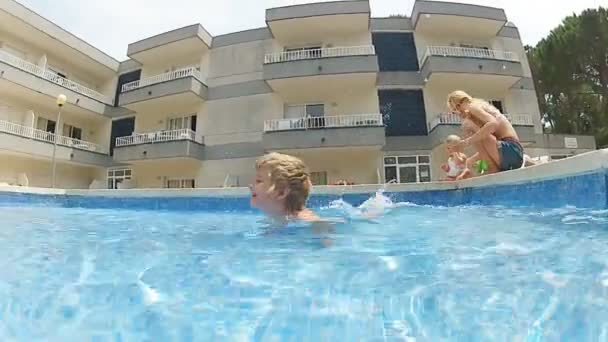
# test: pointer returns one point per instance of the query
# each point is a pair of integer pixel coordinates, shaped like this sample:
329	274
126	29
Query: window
407	169
498	104
46	125
304	52
57	71
318	178
472	46
72	132
180	183
117	176
300	111
185	122
314	112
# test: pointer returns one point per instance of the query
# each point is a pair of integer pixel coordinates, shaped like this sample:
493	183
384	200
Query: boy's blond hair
452	139
287	173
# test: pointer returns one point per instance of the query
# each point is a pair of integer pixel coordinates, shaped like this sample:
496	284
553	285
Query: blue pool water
415	273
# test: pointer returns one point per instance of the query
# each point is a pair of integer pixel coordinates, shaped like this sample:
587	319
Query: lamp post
61	99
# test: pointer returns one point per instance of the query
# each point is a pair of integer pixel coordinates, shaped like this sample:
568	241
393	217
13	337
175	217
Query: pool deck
581	180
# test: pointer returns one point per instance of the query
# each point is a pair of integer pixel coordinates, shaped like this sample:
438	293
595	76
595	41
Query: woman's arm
490	126
472	159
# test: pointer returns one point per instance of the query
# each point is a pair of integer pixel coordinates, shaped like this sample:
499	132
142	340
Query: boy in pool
281	189
456	167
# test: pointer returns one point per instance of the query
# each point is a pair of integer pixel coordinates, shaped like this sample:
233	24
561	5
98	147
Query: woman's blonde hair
287	173
458	97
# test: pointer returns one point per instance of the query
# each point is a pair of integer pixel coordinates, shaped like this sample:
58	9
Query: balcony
186	42
35	142
325	131
457	19
183	85
451	51
297	24
181	143
454	119
321	70
288	56
19	72
442	63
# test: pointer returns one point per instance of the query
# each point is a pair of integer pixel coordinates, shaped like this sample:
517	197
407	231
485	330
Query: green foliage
570	69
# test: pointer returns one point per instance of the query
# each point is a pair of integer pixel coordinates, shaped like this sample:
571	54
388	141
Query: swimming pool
525	261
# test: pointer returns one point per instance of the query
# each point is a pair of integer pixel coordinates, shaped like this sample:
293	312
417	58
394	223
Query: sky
110	25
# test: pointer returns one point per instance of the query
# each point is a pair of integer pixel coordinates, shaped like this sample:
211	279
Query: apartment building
38	61
358	98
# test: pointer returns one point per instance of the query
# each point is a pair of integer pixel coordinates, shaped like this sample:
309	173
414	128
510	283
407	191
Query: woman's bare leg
488	150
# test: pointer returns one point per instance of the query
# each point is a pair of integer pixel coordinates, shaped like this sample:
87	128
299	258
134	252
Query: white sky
111	25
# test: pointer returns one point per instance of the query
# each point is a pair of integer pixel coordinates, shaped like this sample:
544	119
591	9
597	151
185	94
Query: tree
570	69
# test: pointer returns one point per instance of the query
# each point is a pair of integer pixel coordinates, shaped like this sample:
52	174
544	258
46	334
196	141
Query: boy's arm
461	157
472	159
465	173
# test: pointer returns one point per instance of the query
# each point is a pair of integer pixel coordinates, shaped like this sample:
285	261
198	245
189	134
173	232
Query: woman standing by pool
494	138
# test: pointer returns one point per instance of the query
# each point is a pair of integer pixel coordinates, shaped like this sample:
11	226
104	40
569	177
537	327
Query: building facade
359	99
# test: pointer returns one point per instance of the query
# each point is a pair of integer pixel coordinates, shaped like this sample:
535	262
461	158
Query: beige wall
513	45
519	101
38	172
153	174
238	119
360	100
237	63
358	165
207	174
214	172
156	120
344	40
34	55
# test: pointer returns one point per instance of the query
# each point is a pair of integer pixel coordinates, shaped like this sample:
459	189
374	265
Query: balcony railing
287	56
51	76
359	120
159	137
454	119
40	135
453	51
168	76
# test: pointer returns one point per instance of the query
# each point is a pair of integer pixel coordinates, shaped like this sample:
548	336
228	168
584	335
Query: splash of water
374	207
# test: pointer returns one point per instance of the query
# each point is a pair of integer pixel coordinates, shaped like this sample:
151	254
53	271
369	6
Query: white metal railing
287	56
453	51
40	135
520	119
454	119
168	76
158	137
51	76
359	120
